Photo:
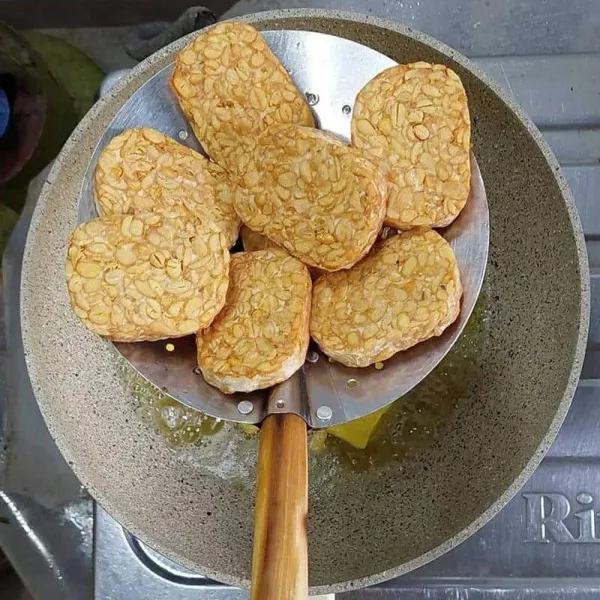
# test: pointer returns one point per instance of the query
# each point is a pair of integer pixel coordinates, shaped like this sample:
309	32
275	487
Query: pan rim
140	74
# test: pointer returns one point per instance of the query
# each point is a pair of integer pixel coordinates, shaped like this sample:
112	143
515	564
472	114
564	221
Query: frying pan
366	525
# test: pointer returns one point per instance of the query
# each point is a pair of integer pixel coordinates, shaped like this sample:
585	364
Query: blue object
4	112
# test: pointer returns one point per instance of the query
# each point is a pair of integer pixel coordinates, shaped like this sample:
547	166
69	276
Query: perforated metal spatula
330	71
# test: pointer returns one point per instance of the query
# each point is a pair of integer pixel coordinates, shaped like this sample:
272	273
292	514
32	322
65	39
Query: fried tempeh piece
252	240
406	291
145	277
321	201
145	170
261	336
231	86
413	121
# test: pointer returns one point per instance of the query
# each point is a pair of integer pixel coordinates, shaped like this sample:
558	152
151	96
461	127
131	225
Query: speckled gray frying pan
368	525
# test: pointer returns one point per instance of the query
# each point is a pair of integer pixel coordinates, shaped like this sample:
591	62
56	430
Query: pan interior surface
195	505
330	84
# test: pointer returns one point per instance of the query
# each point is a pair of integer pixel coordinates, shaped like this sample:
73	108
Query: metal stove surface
544	543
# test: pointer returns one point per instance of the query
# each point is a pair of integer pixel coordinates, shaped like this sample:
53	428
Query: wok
480	424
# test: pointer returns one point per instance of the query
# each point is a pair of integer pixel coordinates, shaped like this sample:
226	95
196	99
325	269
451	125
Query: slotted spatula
330	71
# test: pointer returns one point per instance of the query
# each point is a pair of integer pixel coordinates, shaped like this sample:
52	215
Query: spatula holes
312	357
312	98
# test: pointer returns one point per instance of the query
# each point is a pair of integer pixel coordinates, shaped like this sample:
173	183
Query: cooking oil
414	421
408	425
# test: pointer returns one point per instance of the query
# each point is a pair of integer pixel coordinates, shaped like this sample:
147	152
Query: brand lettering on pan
551	517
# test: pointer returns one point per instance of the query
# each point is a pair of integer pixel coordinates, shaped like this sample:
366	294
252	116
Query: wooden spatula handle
280	557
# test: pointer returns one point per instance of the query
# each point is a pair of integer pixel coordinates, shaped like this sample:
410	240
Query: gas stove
544	544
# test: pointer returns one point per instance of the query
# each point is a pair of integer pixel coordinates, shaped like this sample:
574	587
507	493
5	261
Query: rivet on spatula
169	347
245	407
324	413
352	383
182	134
311	98
312	357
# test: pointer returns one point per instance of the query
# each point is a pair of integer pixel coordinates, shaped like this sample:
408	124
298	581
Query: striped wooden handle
280	556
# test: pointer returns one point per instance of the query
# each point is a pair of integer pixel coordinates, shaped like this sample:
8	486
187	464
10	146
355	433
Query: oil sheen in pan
229	450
